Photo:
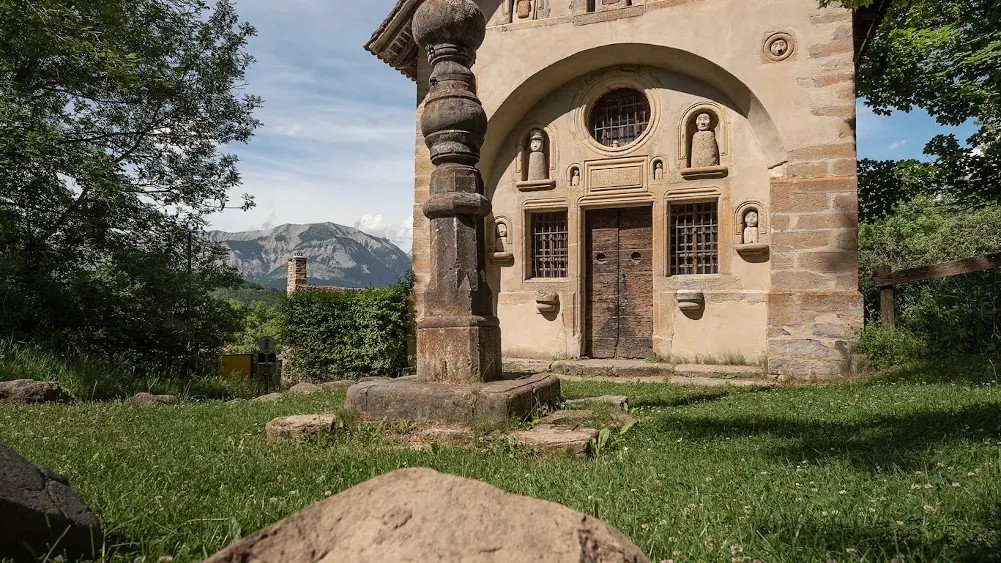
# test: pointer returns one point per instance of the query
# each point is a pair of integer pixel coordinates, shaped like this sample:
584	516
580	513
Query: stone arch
516	104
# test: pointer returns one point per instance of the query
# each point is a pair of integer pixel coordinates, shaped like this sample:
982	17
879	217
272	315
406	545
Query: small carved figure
779	47
524	8
575	177
500	243
751	227
705	150
537	167
658	170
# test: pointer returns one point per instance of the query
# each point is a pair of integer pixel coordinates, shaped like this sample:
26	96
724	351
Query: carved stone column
458	340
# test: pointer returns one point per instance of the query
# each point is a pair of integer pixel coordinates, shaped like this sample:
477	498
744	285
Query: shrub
885	347
949	316
350	334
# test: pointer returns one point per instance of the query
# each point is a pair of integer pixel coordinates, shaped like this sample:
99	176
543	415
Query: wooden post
886	312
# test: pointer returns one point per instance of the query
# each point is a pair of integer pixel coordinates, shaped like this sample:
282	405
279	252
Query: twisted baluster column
458	340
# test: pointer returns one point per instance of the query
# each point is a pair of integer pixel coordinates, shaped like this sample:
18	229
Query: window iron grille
550	247
620	117
694	238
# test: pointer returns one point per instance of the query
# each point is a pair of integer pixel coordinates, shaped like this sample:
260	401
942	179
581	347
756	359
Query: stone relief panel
779	47
626	173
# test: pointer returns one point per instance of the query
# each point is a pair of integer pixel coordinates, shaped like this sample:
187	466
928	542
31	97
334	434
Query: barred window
694	238
549	244
620	117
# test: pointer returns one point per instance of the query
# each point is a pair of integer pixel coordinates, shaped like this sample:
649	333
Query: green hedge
347	335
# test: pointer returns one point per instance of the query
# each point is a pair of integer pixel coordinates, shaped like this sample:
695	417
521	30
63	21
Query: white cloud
401	234
894	146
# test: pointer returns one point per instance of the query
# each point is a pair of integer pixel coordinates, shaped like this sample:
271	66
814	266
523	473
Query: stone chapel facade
667	177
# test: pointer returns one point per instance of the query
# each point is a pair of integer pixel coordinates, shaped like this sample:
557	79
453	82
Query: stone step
633	370
712	370
690	381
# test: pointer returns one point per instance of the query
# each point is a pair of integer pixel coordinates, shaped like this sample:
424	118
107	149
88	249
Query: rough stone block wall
422	181
814	307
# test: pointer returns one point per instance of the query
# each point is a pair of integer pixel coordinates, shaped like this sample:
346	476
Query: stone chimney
296	273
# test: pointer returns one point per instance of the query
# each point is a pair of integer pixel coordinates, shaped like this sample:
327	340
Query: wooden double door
619	282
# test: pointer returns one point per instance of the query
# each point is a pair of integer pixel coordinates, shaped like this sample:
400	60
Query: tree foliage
943	56
113	119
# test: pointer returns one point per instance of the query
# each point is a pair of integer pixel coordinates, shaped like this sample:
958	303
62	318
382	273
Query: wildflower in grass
813	489
916	487
929	509
842	491
736	553
929	486
956	485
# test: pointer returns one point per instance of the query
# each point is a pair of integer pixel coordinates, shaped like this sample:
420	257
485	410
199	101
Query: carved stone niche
574	176
501	250
703	143
659	168
513	11
536	161
547	302
750	231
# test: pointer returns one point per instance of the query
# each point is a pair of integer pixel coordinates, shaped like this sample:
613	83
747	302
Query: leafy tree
114	115
943	56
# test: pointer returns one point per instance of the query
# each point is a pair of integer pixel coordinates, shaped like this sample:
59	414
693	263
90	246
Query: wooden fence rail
887	280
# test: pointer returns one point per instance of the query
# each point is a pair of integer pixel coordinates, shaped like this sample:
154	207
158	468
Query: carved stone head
703	121
538	140
779	47
501	230
751	218
658	165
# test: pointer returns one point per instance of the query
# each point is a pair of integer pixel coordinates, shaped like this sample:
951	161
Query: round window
620	117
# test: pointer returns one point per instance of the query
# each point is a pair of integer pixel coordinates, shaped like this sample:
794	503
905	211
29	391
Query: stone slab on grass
151	399
496	401
300	426
268	398
30	391
568	418
717	370
304	388
615	368
418	514
38	509
617	400
551	439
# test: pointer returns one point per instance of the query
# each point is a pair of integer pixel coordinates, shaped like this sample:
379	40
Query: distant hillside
336	255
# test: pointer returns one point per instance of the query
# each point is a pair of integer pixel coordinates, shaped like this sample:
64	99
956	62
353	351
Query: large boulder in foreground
37	507
422	515
30	391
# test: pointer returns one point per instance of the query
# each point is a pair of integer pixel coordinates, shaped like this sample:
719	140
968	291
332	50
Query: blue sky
337	142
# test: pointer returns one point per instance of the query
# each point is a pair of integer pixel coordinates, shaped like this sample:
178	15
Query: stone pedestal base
458	354
497	401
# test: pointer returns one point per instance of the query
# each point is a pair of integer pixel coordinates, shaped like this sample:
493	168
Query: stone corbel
751	251
690	302
705	173
535	185
503	258
547	302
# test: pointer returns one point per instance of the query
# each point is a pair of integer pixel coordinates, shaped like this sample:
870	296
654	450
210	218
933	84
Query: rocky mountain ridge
336	255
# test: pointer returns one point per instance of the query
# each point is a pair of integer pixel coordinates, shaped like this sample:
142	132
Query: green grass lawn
906	466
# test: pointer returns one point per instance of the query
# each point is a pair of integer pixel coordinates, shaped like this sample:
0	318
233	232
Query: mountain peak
338	255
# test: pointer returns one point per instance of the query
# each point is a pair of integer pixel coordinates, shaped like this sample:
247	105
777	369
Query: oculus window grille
694	238
620	117
549	244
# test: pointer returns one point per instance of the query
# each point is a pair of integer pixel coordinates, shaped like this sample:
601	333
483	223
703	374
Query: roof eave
394	42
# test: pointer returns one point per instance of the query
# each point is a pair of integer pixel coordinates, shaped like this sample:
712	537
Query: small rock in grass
269	397
617	400
236	401
557	439
567	418
30	391
301	426
340	384
150	399
304	388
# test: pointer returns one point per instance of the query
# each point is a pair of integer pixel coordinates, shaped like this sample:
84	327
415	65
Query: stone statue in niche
658	170
751	227
575	177
524	8
538	169
500	242
705	149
